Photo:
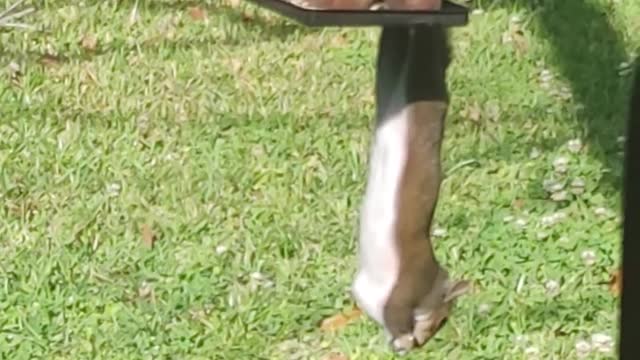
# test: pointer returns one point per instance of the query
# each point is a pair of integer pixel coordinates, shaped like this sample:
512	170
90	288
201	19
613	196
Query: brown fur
405	5
426	104
413	5
337	4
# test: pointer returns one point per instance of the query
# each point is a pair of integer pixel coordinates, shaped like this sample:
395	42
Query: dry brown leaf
520	42
148	237
516	38
472	112
615	282
335	355
49	60
339	321
246	17
517	204
197	13
89	42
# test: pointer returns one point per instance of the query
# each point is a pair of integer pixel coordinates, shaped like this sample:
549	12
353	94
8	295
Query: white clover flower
221	249
113	189
588	257
601	211
552	287
583	349
602	343
439	232
559	196
577	186
535	153
574	145
560	164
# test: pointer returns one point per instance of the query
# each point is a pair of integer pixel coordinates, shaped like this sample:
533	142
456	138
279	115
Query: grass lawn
237	141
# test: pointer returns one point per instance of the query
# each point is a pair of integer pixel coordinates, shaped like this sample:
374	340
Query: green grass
250	133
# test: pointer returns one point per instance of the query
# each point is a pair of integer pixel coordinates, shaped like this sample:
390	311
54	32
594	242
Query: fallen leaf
49	60
472	112
335	355
197	13
246	17
89	42
520	42
615	282
517	204
339	321
515	36
148	237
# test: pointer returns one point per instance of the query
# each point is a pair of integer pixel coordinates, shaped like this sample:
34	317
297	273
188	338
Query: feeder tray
449	16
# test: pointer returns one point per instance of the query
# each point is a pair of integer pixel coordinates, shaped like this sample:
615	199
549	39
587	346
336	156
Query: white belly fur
379	262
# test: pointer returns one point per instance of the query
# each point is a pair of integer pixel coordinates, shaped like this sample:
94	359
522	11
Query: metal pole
629	315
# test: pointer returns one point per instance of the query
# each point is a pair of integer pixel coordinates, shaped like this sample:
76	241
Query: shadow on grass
279	28
258	26
587	51
552	315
